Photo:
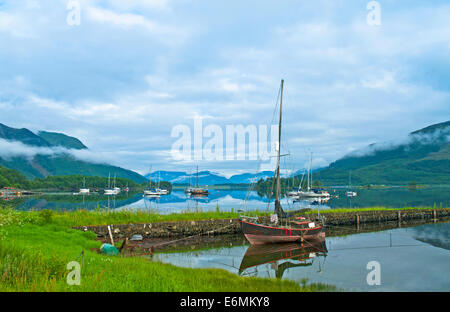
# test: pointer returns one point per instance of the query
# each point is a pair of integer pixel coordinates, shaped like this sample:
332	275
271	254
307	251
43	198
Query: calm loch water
410	259
227	200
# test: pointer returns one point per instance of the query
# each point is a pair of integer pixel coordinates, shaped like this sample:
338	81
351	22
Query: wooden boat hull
258	234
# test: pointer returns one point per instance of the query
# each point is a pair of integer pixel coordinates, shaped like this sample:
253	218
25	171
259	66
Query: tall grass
102	217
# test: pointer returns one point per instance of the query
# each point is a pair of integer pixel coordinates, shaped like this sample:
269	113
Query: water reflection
281	257
227	200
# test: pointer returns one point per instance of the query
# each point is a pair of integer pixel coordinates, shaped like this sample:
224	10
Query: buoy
109	250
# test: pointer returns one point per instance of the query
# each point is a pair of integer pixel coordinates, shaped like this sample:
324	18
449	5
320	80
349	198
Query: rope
267	140
82	258
187	237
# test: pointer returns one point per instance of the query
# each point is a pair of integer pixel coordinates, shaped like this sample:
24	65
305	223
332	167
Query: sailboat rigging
280	228
197	190
350	193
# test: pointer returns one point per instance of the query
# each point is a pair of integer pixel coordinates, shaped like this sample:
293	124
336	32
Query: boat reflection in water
281	256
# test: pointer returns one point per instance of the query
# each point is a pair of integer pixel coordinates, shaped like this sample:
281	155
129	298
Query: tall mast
150	178
307	182
310	168
350	179
196	182
278	208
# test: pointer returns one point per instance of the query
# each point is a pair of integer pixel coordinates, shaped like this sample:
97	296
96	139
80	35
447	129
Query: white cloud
132	4
126	20
15	25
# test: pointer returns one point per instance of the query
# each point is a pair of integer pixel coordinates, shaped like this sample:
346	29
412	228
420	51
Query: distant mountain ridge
60	139
40	166
207	177
22	135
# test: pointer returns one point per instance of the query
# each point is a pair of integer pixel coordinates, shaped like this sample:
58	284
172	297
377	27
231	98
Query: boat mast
310	168
278	209
350	180
196	182
307	182
190	178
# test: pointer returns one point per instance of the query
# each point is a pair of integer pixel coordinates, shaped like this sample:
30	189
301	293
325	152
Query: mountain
22	135
423	157
204	177
59	163
207	177
59	139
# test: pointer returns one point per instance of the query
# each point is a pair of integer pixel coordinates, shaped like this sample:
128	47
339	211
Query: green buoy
109	250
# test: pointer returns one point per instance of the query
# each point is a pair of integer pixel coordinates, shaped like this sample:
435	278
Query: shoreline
186	228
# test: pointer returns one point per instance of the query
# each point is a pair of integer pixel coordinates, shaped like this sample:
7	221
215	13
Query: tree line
13	178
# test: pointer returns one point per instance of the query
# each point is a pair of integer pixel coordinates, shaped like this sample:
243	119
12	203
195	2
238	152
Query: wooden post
110	235
124	243
399	216
434	216
357	221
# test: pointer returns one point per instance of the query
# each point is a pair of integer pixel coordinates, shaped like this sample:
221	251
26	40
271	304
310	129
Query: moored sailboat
155	191
109	190
311	192
84	190
280	228
350	193
197	191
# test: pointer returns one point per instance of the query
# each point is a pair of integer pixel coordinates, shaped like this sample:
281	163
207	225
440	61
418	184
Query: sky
130	72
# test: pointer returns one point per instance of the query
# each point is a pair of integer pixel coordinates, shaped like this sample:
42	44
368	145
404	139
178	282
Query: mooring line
187	237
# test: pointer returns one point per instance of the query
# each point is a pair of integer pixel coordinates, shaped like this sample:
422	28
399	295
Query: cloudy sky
132	70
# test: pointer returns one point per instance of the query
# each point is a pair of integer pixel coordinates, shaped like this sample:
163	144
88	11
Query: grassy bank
35	249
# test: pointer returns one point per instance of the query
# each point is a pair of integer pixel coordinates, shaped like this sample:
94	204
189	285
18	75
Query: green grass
103	217
35	250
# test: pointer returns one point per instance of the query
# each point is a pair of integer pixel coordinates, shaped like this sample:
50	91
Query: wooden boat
293	231
280	229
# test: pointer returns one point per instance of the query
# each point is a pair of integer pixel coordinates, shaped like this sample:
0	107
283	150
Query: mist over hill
423	157
50	154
